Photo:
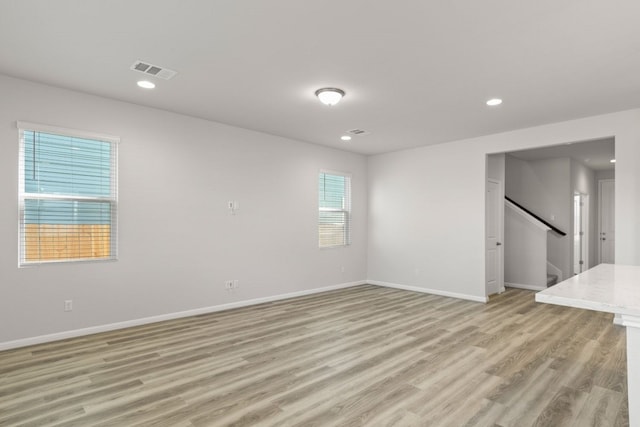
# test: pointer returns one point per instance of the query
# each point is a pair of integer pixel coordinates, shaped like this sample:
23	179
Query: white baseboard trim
617	320
24	342
527	287
429	291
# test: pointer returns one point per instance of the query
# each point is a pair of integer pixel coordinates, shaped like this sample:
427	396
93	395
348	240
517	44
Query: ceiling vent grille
358	132
153	70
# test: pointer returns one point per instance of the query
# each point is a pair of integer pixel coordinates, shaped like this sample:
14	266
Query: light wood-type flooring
366	355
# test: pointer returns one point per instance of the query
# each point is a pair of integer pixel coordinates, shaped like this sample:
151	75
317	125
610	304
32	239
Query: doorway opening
567	188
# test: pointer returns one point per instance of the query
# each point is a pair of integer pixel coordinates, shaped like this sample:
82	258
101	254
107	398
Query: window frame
114	142
346	210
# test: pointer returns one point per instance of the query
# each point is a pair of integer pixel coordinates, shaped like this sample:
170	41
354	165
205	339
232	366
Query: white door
577	234
606	211
580	232
494	256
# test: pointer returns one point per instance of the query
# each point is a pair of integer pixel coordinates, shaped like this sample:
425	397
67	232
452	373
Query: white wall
427	205
177	241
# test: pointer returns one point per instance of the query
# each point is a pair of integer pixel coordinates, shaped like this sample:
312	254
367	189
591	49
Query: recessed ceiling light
345	138
612	161
146	84
494	101
330	95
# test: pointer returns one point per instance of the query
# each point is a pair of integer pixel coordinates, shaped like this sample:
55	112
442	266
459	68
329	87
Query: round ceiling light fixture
494	101
330	95
146	84
612	161
345	138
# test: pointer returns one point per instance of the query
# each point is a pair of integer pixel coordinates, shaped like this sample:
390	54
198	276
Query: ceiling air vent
358	132
153	70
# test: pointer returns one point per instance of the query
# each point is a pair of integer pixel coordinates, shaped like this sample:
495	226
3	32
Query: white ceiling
596	154
415	72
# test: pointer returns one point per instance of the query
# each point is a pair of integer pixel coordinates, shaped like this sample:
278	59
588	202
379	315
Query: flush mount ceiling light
345	138
329	95
612	161
494	101
146	84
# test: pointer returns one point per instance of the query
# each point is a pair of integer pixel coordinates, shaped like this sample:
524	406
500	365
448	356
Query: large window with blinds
68	197
334	215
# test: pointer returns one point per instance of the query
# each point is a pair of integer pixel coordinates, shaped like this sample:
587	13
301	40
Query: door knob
498	244
604	238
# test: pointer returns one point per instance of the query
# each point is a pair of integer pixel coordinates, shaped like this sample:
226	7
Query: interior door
580	232
494	257
606	210
577	233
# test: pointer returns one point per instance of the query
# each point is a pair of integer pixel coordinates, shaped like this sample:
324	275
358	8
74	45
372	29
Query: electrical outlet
228	284
235	284
68	305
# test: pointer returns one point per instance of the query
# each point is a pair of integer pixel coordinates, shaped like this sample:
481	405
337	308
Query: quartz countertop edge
586	304
606	287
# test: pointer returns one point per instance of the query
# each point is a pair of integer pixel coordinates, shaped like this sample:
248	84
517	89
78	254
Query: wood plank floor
361	356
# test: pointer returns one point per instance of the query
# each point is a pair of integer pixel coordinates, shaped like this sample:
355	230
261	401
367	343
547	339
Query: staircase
525	249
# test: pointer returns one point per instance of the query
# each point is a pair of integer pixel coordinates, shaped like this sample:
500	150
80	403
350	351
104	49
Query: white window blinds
334	215
68	197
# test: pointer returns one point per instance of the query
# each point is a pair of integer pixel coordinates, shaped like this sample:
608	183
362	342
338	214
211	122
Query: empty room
333	213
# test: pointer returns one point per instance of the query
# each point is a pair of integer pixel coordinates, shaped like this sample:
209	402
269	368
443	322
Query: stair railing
542	220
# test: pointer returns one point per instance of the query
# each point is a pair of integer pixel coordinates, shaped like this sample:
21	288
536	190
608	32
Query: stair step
552	279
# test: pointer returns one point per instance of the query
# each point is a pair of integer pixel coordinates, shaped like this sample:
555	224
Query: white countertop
606	287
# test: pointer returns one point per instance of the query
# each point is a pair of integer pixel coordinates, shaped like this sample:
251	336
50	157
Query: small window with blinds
68	196
334	215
